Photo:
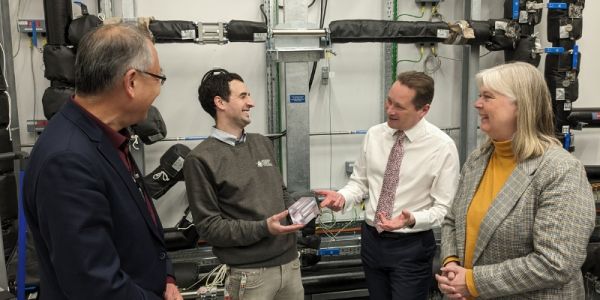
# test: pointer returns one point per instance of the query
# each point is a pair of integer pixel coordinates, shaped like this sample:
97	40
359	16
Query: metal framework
6	41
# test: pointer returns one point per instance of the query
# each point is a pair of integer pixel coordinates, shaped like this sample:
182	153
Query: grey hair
105	54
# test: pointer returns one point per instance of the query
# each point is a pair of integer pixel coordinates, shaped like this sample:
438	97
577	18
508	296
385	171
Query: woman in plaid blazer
524	210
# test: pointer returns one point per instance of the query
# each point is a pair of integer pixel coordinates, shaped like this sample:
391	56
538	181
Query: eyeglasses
162	78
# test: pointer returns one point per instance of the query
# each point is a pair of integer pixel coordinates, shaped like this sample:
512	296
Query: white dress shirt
428	174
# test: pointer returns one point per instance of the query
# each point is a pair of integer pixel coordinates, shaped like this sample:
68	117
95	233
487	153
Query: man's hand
275	227
172	293
333	200
405	219
455	288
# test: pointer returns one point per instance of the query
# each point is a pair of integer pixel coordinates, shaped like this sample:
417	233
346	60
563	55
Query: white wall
351	101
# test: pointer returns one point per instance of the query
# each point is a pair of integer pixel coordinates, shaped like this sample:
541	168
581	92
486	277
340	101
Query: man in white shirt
397	244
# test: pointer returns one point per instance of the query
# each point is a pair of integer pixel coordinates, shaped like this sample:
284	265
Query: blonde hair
525	85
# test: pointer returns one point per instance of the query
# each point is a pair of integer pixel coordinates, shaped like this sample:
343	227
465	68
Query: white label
560	94
500	25
568	106
189	34
564	31
523	17
178	164
443	33
260	36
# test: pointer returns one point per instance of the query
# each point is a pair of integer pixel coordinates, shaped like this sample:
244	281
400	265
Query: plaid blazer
532	241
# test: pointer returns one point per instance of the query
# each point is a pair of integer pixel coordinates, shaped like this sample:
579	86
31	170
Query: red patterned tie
390	180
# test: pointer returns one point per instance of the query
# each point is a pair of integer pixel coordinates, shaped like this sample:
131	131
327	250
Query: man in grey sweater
238	199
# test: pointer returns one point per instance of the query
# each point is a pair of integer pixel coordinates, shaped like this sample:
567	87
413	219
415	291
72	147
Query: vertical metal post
273	114
6	41
105	8
386	63
470	67
296	76
125	9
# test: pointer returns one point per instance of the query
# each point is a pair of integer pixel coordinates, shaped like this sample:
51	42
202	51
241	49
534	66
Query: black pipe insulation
525	51
482	31
563	29
246	31
58	15
364	31
560	74
586	109
593	172
531	16
172	31
591	119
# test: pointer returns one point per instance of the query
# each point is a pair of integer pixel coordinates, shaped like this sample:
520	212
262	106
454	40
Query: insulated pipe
590	119
367	31
58	15
586	109
593	172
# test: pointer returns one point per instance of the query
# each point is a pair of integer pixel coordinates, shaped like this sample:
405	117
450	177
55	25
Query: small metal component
324	75
349	167
211	33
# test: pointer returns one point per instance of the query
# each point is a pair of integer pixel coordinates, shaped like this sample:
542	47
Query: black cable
323	12
321	23
262	10
312	75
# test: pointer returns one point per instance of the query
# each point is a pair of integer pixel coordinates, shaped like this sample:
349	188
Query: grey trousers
281	282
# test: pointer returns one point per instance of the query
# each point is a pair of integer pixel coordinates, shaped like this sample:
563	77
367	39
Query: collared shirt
428	174
228	138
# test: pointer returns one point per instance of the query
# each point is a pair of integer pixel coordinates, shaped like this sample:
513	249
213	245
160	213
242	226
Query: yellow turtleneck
501	165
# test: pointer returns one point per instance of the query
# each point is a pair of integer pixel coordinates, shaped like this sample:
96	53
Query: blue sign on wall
297	98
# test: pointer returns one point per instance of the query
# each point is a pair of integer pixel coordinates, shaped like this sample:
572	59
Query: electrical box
36	126
26	25
349	167
324	75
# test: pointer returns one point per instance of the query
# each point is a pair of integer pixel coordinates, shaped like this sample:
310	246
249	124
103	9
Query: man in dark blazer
95	228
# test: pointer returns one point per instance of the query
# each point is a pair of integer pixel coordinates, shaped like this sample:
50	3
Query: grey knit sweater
232	190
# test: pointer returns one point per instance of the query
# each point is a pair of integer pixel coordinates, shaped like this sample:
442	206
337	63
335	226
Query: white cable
218	274
161	175
135	142
8	126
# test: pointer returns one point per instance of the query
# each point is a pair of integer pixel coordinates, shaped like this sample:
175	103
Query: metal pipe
13	155
470	66
6	41
277	135
321	278
585	109
300	32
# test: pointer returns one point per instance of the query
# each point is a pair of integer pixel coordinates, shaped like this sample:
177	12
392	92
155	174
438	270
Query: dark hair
215	83
421	83
106	53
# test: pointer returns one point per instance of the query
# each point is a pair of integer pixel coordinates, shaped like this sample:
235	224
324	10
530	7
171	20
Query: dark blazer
92	228
532	241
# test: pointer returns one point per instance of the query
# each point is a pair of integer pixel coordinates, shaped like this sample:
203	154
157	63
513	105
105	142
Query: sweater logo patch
264	163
